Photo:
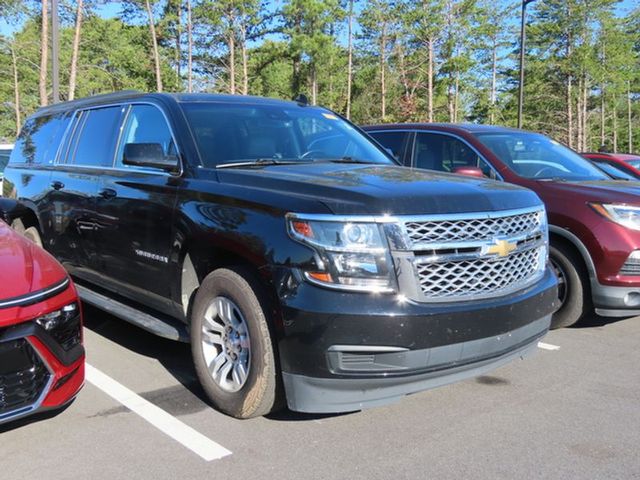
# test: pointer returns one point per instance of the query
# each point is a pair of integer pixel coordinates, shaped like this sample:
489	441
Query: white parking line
163	421
548	346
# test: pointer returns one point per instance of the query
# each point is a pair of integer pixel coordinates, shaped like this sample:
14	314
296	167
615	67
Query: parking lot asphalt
571	412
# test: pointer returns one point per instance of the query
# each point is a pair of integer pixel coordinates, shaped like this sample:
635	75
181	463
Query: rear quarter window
39	140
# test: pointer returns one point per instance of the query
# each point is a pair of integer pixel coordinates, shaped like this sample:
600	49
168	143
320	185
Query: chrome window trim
128	105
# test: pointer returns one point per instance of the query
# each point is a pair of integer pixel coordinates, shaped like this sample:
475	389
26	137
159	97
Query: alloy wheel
562	281
226	345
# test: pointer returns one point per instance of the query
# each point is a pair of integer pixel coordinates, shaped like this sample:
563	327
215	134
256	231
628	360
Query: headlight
350	255
625	215
63	325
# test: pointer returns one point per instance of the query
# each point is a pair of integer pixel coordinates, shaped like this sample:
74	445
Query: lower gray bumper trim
612	312
334	395
611	301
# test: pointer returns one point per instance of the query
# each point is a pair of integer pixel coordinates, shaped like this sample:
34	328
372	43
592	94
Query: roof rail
93	99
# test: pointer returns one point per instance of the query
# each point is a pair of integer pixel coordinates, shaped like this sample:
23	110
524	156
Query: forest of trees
373	61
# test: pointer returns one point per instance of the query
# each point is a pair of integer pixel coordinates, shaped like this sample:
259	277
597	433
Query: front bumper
329	395
615	301
42	375
343	352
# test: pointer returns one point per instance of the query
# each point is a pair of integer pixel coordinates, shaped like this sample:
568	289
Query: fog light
632	299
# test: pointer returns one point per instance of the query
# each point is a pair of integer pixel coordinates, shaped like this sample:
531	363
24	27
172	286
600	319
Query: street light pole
55	51
522	48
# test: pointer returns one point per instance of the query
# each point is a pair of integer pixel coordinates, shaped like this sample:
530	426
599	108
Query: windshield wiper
551	179
345	159
258	162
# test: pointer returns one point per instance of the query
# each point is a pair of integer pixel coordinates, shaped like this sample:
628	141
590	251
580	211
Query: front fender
10	209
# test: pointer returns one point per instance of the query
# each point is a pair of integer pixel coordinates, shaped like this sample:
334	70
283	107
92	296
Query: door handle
108	193
57	185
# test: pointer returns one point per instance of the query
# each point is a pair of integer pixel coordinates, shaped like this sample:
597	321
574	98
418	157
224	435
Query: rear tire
231	344
573	286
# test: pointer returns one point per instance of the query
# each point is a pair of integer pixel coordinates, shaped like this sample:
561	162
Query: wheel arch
558	234
12	209
198	261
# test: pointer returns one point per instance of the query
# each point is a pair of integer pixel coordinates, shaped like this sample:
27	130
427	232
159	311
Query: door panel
135	215
74	186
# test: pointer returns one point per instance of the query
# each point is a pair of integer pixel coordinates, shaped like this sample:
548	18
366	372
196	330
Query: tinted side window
146	124
39	139
394	141
97	137
445	153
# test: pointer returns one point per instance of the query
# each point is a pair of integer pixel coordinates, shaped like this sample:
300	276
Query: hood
611	191
24	267
381	189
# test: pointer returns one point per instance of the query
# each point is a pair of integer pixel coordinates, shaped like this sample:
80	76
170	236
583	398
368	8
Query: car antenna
302	99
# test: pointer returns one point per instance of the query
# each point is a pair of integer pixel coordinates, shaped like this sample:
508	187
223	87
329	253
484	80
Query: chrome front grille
472	256
472	228
480	276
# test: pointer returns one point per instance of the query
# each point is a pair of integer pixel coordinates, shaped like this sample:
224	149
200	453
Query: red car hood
24	267
606	191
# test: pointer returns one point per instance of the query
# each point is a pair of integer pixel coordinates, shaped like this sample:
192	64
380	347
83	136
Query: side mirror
469	172
150	155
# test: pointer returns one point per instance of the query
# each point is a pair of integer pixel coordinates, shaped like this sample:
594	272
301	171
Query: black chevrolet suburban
288	248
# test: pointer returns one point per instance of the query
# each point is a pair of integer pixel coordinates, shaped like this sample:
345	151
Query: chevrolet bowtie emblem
501	248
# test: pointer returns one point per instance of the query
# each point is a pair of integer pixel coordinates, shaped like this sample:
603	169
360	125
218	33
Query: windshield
233	133
532	155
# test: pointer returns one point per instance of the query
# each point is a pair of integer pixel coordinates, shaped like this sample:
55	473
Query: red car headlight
64	325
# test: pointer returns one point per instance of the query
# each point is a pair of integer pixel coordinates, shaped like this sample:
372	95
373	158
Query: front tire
573	287
231	344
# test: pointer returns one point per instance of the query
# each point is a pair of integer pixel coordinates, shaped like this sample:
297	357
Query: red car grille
23	377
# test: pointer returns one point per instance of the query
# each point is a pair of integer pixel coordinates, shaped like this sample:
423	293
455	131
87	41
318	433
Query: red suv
41	352
594	222
627	163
